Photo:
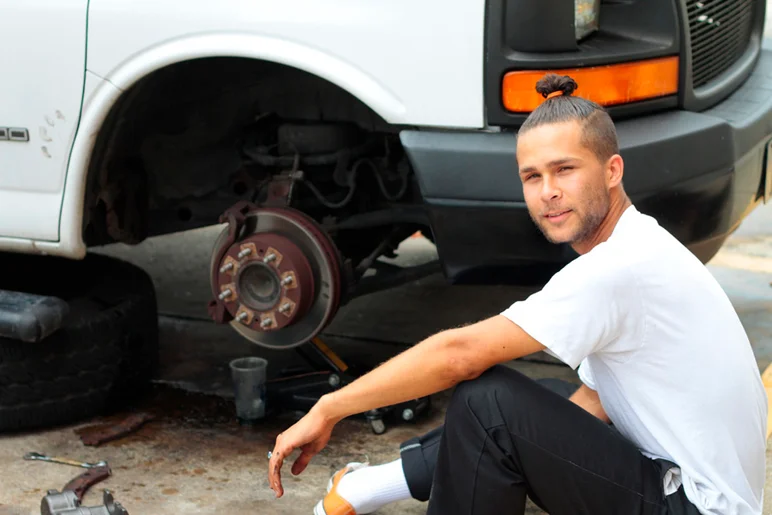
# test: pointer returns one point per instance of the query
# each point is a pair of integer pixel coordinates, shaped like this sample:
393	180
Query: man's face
565	185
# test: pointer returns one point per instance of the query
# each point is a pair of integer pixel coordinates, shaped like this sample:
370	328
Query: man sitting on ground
660	351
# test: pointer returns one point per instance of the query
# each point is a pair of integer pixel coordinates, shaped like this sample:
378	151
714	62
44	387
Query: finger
302	461
274	472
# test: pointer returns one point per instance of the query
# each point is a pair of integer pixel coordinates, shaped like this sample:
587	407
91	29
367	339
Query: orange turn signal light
606	85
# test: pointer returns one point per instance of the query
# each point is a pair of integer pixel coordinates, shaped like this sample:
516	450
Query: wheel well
169	156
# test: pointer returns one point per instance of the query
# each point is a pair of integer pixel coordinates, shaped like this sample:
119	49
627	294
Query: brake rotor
275	276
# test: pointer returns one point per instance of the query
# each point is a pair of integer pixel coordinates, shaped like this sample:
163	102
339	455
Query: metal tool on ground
36	456
300	389
67	503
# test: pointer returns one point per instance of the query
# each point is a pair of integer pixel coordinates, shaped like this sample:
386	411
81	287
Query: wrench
42	457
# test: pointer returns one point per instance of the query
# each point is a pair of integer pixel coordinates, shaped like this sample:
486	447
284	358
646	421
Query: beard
589	215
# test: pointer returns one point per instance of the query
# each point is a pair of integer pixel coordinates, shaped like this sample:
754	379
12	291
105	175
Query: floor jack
300	389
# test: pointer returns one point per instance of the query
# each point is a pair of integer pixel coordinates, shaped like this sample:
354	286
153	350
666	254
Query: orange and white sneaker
333	503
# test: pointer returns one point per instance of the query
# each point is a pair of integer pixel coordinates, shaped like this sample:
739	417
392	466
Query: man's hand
310	434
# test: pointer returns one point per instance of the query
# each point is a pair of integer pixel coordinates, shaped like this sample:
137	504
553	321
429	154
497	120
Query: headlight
586	16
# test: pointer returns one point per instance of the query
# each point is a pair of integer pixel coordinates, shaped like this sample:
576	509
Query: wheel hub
278	283
259	287
270	282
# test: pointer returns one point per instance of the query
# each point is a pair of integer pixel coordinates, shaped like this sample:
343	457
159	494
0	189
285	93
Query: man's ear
615	170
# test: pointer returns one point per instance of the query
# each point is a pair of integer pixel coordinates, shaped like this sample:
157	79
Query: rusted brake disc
275	276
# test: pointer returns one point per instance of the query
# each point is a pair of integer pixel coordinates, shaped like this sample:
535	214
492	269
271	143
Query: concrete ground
195	458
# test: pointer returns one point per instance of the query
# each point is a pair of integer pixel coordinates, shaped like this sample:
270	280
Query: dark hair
598	131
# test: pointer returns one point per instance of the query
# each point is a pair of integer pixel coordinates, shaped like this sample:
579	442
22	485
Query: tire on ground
102	357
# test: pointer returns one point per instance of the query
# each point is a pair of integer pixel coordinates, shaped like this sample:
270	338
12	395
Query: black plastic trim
450	164
482	166
748	109
524	22
498	243
726	83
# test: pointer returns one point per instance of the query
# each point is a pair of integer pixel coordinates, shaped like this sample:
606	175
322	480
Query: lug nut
226	267
285	307
242	316
225	294
269	258
407	414
244	253
334	380
266	323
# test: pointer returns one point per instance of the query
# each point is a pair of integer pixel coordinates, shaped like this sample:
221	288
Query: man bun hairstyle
552	83
598	131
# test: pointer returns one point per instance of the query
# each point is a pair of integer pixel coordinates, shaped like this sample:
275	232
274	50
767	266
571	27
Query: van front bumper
698	174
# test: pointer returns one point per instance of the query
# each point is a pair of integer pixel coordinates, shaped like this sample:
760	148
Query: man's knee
497	377
498	387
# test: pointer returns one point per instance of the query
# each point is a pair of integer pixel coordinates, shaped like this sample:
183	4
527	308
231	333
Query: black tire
103	356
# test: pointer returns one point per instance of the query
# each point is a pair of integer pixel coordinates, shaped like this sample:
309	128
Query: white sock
370	488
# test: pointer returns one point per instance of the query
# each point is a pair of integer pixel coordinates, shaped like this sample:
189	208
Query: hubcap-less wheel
280	281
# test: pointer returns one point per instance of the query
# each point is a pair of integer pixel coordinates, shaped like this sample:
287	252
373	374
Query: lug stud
226	268
225	294
285	307
269	258
242	316
244	253
266	323
286	281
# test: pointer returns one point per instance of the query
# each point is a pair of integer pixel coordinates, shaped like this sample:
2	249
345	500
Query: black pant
507	437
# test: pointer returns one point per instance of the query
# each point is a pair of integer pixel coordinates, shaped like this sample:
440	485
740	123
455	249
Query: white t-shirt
658	339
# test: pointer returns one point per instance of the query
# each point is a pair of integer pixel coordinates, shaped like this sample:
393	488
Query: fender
126	74
281	51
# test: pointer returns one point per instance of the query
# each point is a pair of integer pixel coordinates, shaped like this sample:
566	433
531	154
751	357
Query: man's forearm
429	367
438	363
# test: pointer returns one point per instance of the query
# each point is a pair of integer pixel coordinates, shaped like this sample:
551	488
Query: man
661	354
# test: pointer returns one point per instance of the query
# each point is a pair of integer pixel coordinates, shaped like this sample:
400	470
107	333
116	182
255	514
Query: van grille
720	31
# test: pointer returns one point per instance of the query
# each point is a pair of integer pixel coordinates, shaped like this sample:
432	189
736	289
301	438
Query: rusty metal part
101	433
123	195
235	217
280	190
83	482
276	276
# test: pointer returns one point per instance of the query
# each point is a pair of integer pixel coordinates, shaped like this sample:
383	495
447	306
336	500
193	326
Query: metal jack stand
299	390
